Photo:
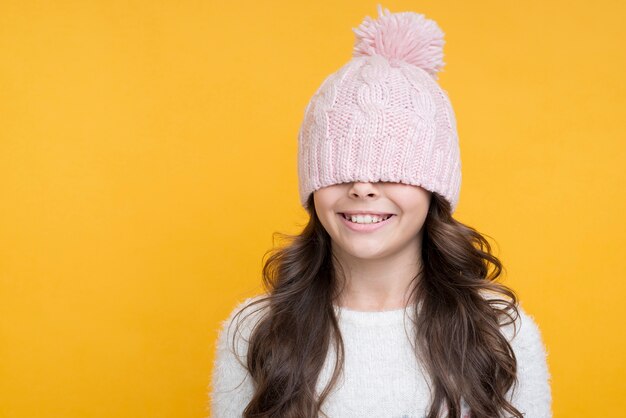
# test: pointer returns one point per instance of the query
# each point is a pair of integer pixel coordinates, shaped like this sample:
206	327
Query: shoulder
232	386
240	322
524	333
531	393
525	338
521	329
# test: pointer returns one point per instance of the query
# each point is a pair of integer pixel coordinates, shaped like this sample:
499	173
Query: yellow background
148	153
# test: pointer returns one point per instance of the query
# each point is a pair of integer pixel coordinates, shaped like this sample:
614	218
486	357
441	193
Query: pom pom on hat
405	36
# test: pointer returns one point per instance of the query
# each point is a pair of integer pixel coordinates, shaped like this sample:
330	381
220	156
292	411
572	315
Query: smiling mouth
381	218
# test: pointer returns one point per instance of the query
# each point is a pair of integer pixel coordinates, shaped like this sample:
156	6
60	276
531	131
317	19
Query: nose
363	189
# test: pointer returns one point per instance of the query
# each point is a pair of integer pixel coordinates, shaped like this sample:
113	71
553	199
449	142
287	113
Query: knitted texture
381	376
382	116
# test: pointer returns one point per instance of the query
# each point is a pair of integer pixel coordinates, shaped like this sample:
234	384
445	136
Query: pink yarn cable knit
382	116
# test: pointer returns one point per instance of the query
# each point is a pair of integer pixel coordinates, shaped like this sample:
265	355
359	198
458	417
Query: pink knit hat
382	116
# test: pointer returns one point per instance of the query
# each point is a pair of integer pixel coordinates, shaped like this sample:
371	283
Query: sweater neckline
385	317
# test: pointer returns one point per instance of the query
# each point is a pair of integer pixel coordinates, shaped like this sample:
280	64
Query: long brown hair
457	334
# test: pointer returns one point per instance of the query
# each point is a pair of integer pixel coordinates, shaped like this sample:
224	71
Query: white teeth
367	219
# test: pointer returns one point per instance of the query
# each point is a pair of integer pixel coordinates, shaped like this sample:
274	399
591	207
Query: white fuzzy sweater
381	377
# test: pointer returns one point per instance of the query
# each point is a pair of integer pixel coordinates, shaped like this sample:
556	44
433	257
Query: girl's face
407	205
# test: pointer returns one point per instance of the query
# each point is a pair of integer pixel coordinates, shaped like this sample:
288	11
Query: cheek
413	222
328	221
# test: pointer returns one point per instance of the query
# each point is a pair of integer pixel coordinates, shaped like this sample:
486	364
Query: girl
384	305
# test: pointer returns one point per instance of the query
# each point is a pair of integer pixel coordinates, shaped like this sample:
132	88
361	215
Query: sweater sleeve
232	385
532	395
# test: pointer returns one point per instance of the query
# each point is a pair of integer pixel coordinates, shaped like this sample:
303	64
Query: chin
367	253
